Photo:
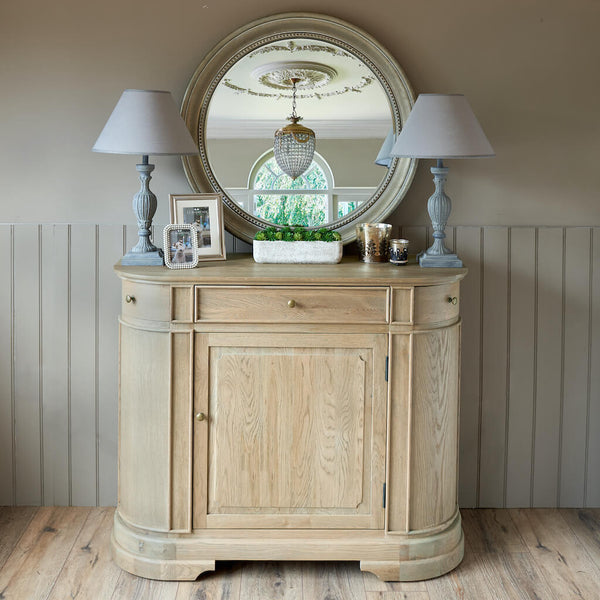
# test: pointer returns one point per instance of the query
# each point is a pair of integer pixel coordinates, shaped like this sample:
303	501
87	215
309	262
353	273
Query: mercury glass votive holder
373	241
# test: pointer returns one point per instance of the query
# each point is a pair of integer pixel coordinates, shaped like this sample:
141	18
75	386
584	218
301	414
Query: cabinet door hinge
384	495
387	366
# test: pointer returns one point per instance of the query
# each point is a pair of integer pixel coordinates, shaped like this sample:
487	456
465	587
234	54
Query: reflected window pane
343	208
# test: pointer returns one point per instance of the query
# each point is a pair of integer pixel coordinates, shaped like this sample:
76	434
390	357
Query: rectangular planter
297	252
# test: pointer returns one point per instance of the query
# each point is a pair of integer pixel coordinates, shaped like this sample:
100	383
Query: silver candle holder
373	241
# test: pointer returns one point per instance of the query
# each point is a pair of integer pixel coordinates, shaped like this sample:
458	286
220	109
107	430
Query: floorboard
57	553
13	523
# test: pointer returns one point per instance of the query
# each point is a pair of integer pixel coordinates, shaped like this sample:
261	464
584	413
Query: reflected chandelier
294	145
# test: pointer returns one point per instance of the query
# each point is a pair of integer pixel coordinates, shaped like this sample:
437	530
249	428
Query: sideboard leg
386	570
156	567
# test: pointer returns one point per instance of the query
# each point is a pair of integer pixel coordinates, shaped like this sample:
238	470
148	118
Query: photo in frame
180	243
205	213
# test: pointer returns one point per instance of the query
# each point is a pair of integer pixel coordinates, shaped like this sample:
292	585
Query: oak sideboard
288	412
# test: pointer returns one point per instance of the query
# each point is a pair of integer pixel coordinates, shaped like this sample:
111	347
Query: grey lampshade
145	122
384	158
442	126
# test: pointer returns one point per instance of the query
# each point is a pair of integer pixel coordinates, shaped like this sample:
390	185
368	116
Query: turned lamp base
439	207
144	207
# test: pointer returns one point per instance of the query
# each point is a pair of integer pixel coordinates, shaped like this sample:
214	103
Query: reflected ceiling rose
306	74
294	145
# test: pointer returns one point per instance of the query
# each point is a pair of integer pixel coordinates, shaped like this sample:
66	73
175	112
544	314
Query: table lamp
384	157
145	122
441	126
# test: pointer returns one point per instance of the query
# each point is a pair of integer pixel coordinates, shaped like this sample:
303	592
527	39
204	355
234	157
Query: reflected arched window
277	198
311	200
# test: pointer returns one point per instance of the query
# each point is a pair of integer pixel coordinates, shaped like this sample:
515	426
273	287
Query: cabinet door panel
295	430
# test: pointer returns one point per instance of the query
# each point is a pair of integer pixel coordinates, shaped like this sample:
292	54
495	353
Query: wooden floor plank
470	580
397	595
130	587
89	571
282	580
332	581
564	562
222	584
33	566
585	524
497	575
517	574
491	530
13	523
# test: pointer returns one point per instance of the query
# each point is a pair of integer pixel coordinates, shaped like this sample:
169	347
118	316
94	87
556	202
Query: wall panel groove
530	389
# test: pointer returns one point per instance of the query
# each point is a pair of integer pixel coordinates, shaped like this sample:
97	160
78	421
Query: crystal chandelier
294	144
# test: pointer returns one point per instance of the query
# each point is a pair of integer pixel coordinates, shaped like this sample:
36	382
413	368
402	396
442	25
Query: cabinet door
294	434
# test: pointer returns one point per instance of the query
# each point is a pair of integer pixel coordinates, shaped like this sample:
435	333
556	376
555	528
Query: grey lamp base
143	258
440	260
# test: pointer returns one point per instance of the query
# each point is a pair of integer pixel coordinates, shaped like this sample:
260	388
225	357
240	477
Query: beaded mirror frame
290	26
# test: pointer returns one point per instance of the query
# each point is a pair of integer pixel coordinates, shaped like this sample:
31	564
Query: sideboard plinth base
172	556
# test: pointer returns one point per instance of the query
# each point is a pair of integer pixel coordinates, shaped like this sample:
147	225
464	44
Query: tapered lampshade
384	158
442	126
145	122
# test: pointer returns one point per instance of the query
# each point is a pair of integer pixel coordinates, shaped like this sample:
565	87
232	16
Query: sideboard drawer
292	304
146	301
436	303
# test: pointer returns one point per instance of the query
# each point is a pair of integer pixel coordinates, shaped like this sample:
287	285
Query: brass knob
200	416
291	303
129	299
453	300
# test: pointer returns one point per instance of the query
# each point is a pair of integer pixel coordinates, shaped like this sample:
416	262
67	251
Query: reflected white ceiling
338	96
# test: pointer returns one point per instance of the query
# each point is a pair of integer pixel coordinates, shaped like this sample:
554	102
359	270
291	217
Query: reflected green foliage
301	209
308	210
346	207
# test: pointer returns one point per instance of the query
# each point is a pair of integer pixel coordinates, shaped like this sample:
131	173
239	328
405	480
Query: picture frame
180	243
205	211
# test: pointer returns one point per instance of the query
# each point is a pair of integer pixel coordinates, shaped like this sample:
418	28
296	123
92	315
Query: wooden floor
543	554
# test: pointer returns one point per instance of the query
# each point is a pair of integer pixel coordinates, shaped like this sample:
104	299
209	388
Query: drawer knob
129	299
291	303
200	416
452	300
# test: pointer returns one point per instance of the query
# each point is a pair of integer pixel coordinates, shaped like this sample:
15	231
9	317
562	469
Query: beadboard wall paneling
530	386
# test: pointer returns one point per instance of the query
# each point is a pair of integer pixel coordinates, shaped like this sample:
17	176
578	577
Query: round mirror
346	89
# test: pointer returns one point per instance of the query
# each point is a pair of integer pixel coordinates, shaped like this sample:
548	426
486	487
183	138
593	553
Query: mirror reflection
337	97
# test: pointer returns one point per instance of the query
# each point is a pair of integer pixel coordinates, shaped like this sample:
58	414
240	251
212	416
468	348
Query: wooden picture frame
205	212
180	244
